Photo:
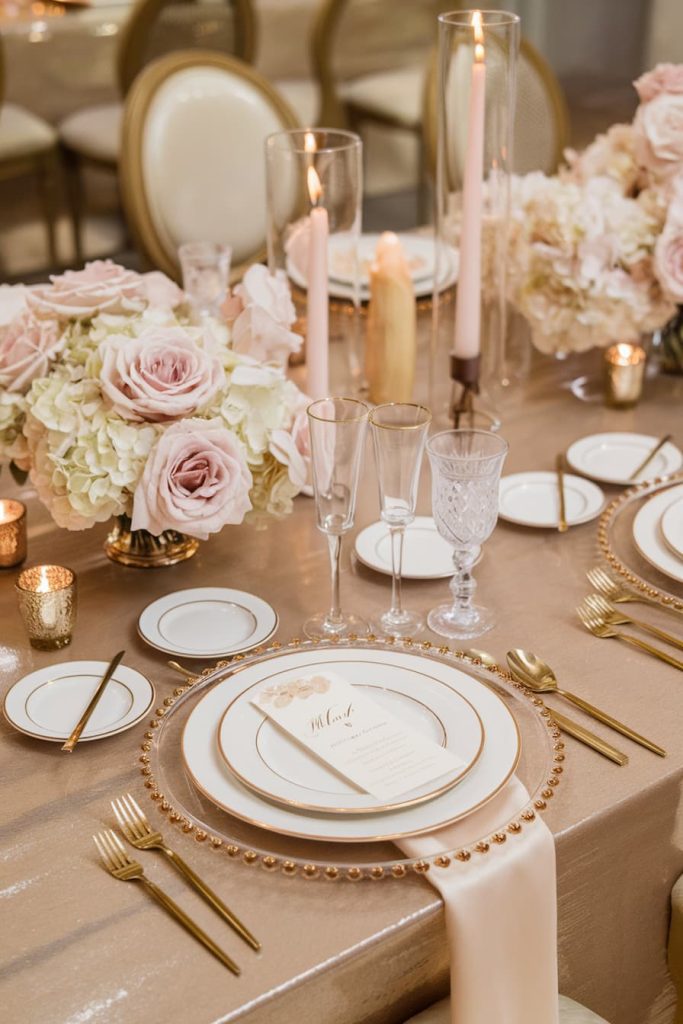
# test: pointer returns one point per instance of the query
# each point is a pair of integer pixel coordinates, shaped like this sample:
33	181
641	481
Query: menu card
354	735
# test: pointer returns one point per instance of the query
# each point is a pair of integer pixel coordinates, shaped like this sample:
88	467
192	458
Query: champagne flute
466	467
337	427
399	432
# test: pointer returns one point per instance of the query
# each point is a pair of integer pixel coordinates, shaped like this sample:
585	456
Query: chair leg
47	179
74	193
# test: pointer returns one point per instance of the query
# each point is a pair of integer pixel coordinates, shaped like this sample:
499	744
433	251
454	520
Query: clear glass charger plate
618	547
540	769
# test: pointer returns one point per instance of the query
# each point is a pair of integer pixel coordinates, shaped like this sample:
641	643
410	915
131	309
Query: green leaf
20	475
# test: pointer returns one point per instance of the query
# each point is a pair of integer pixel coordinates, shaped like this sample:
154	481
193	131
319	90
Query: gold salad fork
596	625
119	864
613	617
620	593
141	835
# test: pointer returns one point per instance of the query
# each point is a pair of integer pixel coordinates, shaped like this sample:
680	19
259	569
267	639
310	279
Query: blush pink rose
256	334
663	78
669	261
658	133
160	291
293	449
269	291
101	287
195	480
27	347
161	375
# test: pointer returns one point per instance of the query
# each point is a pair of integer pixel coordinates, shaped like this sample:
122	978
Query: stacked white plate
658	531
241	761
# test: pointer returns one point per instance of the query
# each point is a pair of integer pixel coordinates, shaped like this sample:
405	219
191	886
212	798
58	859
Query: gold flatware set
140	834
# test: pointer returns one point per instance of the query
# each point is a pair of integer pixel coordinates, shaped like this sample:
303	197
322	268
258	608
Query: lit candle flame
310	144
44	583
478	37
315	189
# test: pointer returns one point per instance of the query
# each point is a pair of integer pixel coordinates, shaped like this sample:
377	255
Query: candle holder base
470	407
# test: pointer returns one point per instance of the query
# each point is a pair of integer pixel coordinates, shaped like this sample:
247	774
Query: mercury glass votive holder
47	602
624	373
12	532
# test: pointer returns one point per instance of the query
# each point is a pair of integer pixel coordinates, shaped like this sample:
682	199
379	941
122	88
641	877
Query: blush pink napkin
501	916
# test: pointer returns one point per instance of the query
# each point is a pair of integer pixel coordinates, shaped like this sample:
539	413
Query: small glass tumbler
206	275
466	467
337	427
399	432
12	532
47	602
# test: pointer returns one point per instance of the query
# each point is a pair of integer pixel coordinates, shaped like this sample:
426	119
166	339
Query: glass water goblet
466	467
206	275
337	427
399	432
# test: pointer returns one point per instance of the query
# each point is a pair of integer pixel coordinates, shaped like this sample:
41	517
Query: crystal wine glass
399	432
206	275
337	427
466	467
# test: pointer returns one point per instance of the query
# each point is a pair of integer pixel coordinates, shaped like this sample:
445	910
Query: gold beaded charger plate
539	769
620	549
265	759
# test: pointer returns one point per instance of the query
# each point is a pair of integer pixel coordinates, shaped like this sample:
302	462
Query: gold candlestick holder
624	373
12	532
47	602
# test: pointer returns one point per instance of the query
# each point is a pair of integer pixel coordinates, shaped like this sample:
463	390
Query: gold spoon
540	678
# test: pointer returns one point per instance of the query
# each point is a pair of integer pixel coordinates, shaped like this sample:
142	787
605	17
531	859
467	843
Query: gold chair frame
129	62
137	107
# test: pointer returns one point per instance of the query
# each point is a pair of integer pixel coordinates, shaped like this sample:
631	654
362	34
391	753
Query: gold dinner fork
119	864
620	593
613	617
596	625
141	835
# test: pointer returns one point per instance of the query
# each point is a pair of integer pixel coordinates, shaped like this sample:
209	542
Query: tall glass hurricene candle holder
477	60
314	187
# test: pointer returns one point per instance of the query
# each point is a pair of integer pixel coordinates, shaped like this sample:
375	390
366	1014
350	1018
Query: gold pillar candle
12	532
391	341
47	602
624	372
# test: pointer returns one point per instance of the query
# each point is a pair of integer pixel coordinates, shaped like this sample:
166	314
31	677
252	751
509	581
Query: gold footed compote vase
144	550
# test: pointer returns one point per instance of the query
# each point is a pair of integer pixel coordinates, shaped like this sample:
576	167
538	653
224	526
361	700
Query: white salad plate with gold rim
207	622
212	777
47	703
270	762
672	527
533	499
426	555
648	536
613	457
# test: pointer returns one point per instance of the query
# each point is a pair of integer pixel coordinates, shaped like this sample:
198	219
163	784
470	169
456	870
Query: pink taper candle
317	333
468	306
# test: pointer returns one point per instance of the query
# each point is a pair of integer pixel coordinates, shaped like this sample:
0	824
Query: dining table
83	949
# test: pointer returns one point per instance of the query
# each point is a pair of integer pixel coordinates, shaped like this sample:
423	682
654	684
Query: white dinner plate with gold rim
647	533
273	764
209	773
612	457
426	555
207	622
47	703
533	499
672	527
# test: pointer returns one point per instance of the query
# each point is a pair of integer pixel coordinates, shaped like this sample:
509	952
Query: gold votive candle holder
624	373
12	532
47	602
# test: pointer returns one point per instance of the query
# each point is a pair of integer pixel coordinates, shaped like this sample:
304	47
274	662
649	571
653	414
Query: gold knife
589	738
559	466
660	444
94	701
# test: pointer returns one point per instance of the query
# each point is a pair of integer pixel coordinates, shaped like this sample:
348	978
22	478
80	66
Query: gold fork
596	625
141	835
119	864
620	593
613	617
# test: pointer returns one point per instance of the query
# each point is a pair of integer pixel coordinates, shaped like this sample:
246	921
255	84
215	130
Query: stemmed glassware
337	427
206	275
466	467
399	432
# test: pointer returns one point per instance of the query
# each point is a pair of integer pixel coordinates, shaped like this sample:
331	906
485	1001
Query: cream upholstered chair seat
95	131
303	96
394	96
570	1013
23	134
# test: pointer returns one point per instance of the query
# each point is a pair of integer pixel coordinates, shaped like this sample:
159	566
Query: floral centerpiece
118	405
596	251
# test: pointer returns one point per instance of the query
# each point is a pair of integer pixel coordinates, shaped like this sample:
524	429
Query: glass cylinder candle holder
474	104
624	373
314	190
47	602
12	532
